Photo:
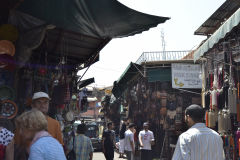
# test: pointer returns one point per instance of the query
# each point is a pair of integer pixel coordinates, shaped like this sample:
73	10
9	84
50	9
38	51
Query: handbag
72	155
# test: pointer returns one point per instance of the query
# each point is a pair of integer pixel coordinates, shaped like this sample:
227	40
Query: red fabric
66	94
2	151
61	106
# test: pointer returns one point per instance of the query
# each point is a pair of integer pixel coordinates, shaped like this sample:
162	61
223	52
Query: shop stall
43	45
160	98
219	57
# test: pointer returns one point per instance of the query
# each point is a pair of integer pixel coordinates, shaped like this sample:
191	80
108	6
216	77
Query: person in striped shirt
82	144
198	142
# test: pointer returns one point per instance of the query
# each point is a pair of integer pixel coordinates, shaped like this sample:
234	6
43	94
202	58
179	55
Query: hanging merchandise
6	92
8	32
237	137
7	62
207	99
221	99
203	99
67	95
203	84
171	116
69	116
232	100
211	119
7	47
214	99
227	121
171	105
206	118
58	96
163	111
215	79
178	115
221	122
9	109
214	88
220	78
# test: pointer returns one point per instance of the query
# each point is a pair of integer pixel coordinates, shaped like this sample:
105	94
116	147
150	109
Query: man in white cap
146	140
40	101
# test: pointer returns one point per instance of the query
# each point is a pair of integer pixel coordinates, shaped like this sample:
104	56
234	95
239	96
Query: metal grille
161	56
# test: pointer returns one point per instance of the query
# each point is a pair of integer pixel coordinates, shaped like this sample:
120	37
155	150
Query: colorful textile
82	147
5	138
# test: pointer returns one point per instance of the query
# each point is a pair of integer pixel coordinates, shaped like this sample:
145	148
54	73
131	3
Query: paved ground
100	156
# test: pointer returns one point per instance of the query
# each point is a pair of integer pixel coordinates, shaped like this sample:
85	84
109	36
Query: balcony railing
161	56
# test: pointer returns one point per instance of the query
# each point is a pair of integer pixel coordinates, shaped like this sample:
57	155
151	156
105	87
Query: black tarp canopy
82	27
96	18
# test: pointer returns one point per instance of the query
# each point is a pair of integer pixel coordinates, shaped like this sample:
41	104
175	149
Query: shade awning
85	82
218	17
96	18
232	22
120	85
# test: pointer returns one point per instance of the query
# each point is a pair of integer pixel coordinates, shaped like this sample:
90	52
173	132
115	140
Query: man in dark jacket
109	142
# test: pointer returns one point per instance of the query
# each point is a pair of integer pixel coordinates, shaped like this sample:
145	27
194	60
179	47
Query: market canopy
82	27
96	18
218	17
232	22
85	82
130	72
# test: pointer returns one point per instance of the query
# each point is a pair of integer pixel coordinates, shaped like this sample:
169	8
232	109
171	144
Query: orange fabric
206	118
239	147
238	112
53	128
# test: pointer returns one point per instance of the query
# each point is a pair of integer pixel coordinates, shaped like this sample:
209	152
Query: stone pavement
100	156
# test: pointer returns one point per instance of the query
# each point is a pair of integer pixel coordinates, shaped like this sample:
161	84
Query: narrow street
100	156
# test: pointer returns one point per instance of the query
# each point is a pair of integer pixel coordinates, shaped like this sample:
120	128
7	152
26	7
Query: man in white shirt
198	142
146	140
129	142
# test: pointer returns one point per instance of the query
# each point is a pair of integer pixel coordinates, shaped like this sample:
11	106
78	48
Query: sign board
186	75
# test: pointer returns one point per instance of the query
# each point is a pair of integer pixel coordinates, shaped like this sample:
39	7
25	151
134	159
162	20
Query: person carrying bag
72	155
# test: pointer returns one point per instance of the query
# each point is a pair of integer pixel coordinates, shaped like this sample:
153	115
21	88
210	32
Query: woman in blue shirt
33	126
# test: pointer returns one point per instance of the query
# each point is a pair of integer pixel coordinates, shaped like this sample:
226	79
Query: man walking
122	136
82	144
108	138
129	142
198	142
146	140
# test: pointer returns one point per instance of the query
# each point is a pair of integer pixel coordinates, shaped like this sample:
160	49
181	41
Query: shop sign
186	75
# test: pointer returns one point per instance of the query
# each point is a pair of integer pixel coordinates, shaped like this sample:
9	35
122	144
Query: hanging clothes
214	99
67	94
232	100
211	119
220	122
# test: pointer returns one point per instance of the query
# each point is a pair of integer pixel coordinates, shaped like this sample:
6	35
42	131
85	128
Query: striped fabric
46	148
83	147
199	143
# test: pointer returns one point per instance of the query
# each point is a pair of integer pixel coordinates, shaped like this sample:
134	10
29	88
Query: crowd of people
197	143
38	137
128	141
